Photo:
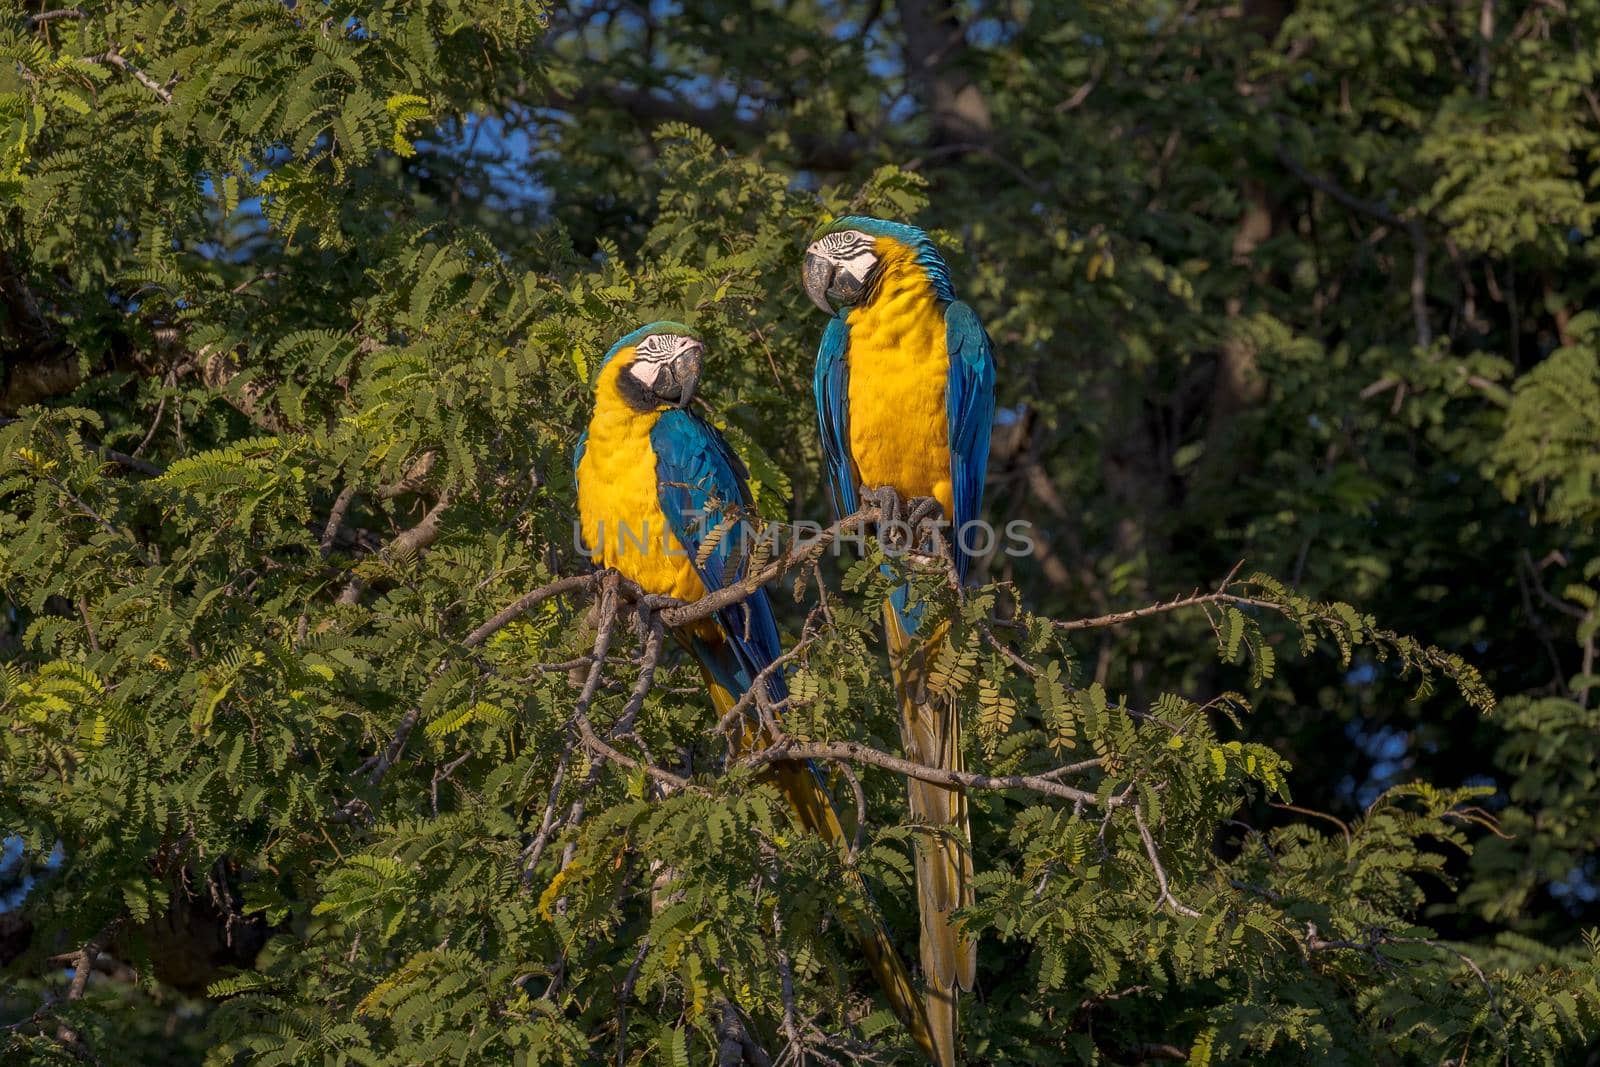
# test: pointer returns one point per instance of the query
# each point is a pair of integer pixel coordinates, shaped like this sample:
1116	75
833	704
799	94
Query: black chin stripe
634	394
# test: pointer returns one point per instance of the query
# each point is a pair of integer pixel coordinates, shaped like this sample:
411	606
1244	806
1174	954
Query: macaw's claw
923	509
891	508
894	533
903	522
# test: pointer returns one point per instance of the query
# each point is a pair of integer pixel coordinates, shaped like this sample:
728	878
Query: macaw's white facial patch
652	354
665	365
646	371
850	251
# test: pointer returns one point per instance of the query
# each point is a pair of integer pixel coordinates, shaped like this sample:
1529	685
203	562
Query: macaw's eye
845	245
657	346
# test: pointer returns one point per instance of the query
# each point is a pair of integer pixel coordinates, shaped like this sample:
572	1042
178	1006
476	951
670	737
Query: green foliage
300	305
1549	445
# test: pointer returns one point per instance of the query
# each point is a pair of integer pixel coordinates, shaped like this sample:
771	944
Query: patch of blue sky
702	90
990	32
1578	886
1390	751
902	110
245	225
504	151
18	875
884	64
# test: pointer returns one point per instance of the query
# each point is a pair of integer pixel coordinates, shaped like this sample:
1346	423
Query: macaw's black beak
682	377
817	274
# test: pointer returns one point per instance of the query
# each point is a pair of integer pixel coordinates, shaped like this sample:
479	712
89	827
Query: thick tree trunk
1238	385
935	50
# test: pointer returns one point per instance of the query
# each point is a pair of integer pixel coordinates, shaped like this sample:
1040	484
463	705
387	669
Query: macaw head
847	256
655	367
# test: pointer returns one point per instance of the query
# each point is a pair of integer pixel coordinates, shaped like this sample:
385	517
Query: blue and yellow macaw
905	397
654	480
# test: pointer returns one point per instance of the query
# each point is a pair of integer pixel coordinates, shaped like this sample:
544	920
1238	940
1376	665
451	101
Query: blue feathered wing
704	490
969	410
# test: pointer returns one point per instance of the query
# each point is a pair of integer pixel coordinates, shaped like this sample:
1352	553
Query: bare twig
150	434
623	995
82	967
1175	604
111	57
336	513
1005	650
855	752
1378	937
443	775
791	1029
535	850
1343	826
59	13
649	659
1409	222
105	524
609	584
726	724
526	603
397	744
1166	897
410	540
861	809
1071	768
600	748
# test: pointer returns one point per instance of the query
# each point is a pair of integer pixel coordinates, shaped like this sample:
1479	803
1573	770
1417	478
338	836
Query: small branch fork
1378	937
82	966
1219	595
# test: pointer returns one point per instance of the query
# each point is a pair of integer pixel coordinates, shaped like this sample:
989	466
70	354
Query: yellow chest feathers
619	504
899	371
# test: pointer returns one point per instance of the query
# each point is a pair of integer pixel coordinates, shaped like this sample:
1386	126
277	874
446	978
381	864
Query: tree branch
1166	898
1379	937
218	372
1410	223
59	13
682	614
82	967
415	477
1193	600
122	458
407	542
336	513
111	57
526	603
855	752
